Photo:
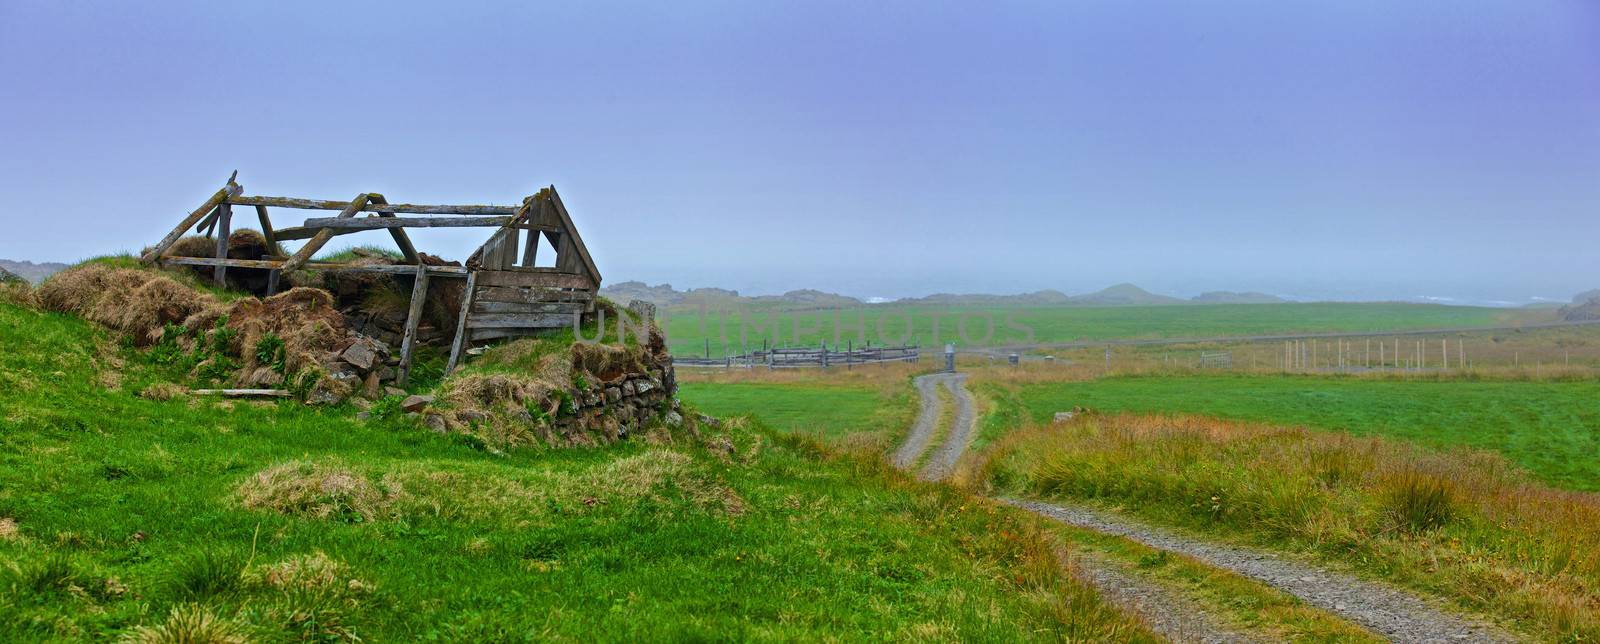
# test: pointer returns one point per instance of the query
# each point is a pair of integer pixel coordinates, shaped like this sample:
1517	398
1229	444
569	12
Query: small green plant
568	406
1417	503
270	351
536	413
580	382
387	408
205	573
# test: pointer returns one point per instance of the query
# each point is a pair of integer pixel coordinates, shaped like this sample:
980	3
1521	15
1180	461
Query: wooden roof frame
493	267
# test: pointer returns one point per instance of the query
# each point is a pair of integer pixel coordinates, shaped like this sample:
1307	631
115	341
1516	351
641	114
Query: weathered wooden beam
380	222
508	332
268	264
224	230
520	295
243	393
521	320
301	232
272	281
577	240
525	277
407	251
166	242
316	243
393	208
408	340
266	229
485	306
461	323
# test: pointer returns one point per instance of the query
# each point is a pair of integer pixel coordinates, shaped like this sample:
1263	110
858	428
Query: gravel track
1392	613
1397	615
922	432
944	458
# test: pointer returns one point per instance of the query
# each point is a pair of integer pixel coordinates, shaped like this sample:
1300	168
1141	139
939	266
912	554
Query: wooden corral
506	295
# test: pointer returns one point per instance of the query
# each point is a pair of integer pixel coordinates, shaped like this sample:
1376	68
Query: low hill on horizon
30	271
1124	294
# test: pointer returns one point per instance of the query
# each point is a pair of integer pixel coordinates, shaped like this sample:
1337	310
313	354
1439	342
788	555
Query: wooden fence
805	357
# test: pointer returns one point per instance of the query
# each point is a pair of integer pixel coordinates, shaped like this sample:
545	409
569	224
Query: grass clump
317	490
189	624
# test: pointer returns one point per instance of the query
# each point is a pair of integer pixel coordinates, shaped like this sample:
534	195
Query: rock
416	403
628	389
393	391
590	399
1063	416
473	416
435	423
645	386
361	355
673	419
371	387
613	394
712	421
332	388
642	310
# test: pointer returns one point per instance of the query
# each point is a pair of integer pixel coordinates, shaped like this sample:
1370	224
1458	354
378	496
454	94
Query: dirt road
1387	611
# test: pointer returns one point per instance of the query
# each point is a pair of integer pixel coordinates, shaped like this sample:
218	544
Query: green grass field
829	410
1551	428
689	332
279	522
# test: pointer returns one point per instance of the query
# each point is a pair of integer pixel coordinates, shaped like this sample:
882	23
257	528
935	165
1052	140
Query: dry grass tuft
18	293
189	624
318	490
139	303
606	362
162	391
9	530
316	571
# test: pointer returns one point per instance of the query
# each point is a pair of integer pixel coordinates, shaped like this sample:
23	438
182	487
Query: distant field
690	332
1552	428
831	410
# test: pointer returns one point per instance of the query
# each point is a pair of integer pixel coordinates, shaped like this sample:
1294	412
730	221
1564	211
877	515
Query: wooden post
199	213
266	230
461	323
399	234
224	230
408	341
272	282
321	238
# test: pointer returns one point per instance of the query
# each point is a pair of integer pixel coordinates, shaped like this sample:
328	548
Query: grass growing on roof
126	515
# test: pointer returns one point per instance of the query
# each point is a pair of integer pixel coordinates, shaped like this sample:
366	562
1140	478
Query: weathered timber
272	281
374	223
577	240
531	249
527	277
266	228
224	229
483	306
166	242
393	208
407	251
268	264
316	243
243	393
519	294
419	295
521	320
461	323
301	232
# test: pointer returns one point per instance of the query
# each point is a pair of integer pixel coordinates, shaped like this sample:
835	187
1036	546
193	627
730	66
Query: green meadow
198	519
825	409
691	332
1552	428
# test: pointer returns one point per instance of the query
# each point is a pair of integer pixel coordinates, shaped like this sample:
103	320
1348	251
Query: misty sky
1341	149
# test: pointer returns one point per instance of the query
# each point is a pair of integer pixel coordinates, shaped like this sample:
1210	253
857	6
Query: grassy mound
206	520
1463	524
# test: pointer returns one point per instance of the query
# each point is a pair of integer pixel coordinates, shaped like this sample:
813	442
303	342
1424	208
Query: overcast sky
1344	149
